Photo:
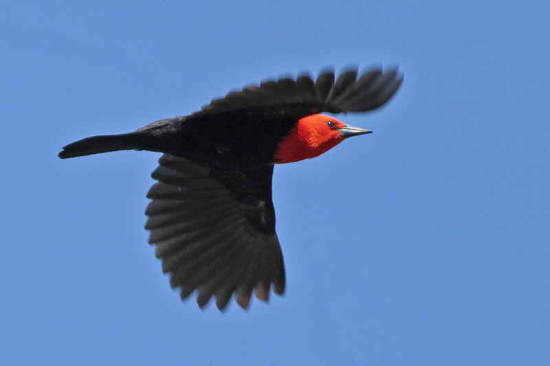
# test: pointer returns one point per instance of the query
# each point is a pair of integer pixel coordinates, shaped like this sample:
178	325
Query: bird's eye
330	124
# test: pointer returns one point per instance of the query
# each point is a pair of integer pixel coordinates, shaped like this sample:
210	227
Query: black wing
351	91
215	231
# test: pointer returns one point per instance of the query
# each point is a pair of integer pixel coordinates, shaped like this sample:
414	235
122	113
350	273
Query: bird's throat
300	145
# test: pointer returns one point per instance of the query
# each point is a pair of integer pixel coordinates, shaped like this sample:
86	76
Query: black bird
211	216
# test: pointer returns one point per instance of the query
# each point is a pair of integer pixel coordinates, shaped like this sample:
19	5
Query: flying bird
211	217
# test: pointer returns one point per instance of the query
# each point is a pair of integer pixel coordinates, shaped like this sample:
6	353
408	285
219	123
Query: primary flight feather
211	216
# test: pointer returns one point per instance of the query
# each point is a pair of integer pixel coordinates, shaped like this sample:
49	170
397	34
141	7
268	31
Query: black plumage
211	216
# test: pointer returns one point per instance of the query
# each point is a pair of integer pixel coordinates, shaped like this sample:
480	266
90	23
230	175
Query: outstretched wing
215	231
350	91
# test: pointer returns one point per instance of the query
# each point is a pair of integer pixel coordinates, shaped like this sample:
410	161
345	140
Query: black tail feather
100	144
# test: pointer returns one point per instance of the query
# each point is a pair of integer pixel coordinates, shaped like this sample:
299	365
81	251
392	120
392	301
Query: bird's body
212	217
238	139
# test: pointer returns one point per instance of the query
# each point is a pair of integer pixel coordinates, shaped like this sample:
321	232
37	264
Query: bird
211	216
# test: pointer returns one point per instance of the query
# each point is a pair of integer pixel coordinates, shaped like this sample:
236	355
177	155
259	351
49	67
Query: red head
312	136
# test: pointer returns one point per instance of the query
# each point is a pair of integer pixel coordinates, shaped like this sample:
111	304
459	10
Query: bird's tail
101	144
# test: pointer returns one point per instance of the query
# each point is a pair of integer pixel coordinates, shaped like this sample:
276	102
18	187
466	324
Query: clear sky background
425	243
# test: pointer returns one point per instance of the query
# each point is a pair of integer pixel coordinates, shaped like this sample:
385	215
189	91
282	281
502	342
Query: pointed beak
349	131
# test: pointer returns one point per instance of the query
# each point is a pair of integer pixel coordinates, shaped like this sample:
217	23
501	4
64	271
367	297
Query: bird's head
313	135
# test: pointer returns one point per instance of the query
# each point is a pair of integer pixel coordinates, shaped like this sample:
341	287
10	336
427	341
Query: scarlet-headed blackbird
211	216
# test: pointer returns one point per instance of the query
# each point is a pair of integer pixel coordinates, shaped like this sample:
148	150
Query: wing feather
214	230
350	91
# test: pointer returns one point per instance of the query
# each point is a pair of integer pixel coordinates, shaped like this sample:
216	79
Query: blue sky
425	243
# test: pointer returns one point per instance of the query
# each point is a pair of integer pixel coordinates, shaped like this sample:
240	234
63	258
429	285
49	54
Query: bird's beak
349	131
